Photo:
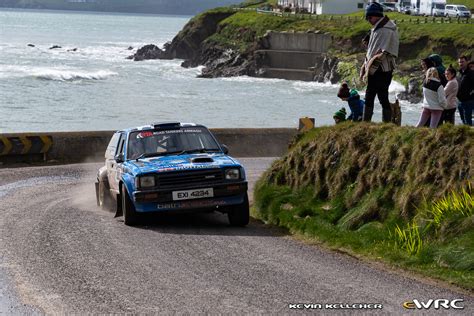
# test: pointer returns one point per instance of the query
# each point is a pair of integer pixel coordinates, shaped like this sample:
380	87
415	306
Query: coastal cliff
226	41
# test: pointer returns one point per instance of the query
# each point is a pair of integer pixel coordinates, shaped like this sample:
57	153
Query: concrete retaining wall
70	147
293	56
311	42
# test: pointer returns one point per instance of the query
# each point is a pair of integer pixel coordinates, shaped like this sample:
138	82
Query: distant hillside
467	3
190	7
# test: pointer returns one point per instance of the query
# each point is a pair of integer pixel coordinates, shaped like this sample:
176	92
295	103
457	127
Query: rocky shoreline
194	44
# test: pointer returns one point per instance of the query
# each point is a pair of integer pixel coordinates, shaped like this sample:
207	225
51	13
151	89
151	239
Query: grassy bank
243	29
397	194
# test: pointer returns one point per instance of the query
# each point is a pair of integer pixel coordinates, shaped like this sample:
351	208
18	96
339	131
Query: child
434	99
356	105
340	116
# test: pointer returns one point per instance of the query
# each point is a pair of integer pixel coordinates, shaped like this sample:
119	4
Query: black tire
104	199
239	215
130	216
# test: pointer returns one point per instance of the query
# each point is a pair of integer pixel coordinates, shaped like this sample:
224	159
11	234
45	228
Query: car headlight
146	181
232	174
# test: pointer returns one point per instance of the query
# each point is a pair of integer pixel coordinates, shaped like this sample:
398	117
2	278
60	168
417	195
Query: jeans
433	115
465	110
377	85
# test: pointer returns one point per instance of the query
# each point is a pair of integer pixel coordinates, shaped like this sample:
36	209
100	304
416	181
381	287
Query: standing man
382	49
466	91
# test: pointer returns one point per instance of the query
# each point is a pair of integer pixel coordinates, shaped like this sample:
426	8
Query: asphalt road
60	254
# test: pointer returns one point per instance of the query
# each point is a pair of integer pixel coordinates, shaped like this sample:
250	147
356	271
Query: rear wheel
239	215
104	199
130	216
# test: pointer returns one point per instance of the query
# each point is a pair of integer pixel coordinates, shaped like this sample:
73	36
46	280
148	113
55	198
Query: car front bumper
162	200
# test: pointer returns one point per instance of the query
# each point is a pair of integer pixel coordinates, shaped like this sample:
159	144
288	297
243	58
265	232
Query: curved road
61	254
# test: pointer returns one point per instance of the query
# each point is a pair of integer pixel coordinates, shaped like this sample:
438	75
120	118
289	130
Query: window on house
360	5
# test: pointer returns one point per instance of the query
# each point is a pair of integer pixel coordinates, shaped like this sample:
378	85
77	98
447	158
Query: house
325	6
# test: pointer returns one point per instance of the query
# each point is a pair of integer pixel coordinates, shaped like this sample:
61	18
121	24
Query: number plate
193	194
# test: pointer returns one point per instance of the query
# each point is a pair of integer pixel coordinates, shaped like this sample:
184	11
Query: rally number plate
193	194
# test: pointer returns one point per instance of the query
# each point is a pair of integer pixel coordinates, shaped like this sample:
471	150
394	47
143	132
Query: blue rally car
171	167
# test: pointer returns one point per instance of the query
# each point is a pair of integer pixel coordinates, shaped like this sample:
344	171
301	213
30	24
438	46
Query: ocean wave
72	75
396	86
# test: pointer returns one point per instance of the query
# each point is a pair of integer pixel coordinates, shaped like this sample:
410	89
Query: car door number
193	194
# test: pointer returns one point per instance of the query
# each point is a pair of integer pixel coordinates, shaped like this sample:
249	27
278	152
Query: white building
325	6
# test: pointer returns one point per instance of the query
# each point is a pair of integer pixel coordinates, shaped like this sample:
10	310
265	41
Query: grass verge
400	195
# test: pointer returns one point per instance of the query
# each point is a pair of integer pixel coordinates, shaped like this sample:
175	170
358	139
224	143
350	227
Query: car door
112	150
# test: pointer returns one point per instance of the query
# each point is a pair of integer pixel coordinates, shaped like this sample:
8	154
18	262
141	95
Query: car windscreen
462	9
439	6
150	143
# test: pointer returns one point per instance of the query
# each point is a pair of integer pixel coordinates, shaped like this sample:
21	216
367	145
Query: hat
341	114
373	9
343	91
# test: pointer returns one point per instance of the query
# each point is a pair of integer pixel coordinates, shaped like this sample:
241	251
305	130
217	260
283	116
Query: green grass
397	194
243	29
468	3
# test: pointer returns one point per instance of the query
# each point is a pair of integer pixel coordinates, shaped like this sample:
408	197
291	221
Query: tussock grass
400	193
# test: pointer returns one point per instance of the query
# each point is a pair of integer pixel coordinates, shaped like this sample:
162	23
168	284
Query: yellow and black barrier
25	144
306	123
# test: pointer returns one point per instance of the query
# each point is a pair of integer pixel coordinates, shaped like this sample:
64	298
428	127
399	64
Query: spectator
426	63
356	105
465	91
438	63
434	99
382	49
451	90
340	116
471	65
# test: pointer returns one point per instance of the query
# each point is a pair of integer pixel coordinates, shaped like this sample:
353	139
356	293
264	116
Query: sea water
89	84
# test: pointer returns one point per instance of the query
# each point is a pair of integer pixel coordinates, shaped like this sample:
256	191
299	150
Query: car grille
173	180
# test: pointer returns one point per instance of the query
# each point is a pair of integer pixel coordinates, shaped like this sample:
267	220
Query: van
456	10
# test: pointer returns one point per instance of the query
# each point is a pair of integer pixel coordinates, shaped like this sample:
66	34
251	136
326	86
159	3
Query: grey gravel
61	254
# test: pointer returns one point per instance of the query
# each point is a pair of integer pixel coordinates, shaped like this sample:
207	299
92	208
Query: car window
112	147
163	142
121	145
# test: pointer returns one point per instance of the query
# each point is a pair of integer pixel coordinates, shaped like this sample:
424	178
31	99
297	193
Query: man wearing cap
382	49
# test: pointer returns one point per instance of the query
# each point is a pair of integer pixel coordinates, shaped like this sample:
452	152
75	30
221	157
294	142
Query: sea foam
72	75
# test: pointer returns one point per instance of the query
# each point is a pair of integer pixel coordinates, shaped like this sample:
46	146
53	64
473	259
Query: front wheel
239	215
130	215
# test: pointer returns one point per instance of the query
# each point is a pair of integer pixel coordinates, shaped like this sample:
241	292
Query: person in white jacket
434	99
451	90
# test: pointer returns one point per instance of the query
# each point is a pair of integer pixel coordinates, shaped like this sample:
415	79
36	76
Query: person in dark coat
382	50
465	91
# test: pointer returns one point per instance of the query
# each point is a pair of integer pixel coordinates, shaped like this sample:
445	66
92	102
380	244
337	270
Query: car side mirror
225	149
119	158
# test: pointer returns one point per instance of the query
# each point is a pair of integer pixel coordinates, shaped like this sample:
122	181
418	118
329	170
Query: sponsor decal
165	168
191	204
335	306
145	134
436	304
177	131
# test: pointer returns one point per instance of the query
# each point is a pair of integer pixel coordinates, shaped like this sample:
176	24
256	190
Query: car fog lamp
147	181
232	174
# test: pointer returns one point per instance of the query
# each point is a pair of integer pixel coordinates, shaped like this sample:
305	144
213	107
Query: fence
348	19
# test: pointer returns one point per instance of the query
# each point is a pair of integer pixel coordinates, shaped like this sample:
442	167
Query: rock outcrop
413	91
188	43
147	52
327	70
